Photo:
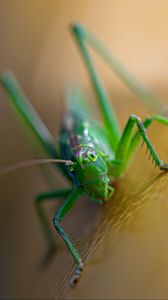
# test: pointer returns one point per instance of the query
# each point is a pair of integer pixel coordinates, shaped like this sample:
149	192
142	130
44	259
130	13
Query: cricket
92	155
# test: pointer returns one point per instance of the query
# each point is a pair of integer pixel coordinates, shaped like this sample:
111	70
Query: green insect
94	155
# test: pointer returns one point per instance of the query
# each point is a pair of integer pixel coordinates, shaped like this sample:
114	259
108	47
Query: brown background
130	234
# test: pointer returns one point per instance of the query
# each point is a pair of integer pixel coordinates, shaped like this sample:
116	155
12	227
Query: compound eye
92	155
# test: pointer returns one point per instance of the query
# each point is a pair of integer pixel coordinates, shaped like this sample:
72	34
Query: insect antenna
33	162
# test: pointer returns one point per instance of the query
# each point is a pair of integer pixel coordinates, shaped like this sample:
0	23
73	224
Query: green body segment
99	153
81	138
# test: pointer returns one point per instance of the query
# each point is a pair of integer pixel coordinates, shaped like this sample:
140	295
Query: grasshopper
93	155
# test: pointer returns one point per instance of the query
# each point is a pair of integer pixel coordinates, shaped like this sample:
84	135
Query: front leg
48	196
147	123
128	144
58	217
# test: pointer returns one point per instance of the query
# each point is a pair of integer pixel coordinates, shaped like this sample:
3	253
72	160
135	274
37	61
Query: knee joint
136	118
56	223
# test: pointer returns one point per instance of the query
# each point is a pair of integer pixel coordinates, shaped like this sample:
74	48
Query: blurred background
128	254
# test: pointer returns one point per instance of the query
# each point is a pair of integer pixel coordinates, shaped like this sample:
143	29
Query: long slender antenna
30	163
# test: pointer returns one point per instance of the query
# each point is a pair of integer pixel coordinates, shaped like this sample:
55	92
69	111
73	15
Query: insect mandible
93	155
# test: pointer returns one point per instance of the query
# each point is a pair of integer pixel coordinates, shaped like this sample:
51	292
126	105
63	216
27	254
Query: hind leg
109	118
142	92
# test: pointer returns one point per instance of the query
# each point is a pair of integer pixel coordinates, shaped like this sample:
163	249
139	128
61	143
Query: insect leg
137	87
127	144
28	115
48	196
61	212
109	118
136	138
